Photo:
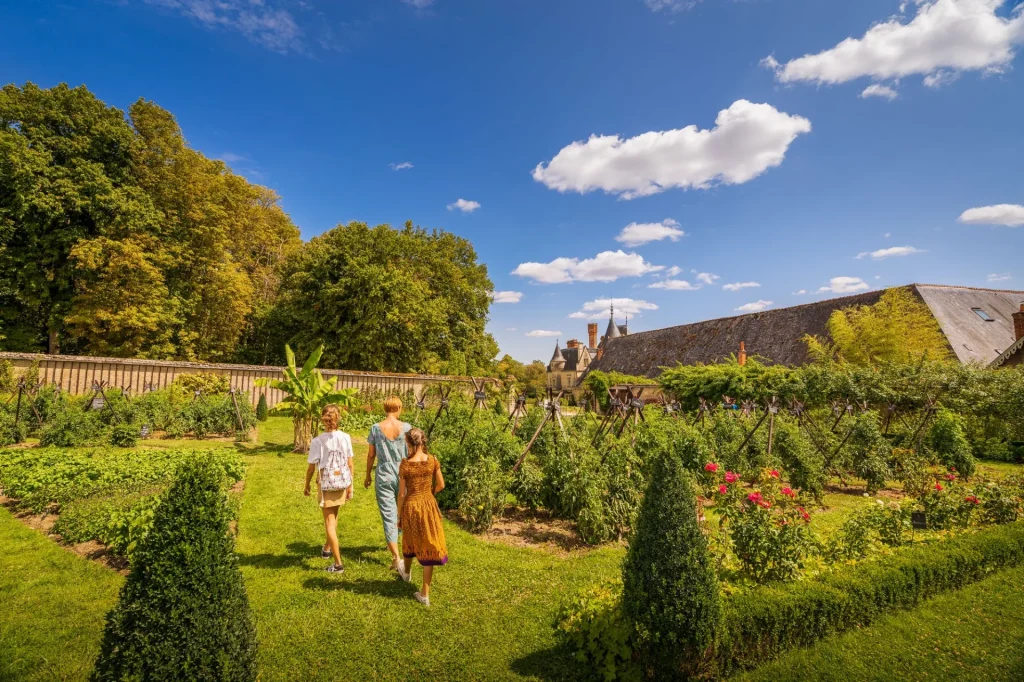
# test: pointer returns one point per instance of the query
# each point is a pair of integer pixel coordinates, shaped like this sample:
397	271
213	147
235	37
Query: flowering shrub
948	505
1000	502
767	527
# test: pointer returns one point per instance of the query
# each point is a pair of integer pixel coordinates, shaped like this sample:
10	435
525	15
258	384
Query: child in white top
330	456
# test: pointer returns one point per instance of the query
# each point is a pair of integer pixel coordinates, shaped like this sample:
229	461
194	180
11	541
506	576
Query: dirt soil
520	527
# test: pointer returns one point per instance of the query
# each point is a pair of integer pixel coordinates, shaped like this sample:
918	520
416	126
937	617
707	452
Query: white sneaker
421	599
406	576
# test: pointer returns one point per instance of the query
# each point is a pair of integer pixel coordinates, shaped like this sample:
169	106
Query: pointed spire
557	357
613	330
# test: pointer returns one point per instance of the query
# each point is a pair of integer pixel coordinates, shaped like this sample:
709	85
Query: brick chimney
572	343
742	357
600	352
1018	323
592	334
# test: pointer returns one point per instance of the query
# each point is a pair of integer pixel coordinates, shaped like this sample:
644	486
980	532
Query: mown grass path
492	606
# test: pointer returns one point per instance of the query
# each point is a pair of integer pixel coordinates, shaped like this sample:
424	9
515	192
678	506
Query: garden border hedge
762	624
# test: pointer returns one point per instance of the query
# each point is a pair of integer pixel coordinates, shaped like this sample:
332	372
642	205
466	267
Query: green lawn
492	611
974	634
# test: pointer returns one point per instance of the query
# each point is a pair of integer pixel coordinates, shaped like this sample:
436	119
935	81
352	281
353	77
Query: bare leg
396	556
408	565
428	573
331	524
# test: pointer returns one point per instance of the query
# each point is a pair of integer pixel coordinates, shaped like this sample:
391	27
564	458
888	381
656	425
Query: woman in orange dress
419	479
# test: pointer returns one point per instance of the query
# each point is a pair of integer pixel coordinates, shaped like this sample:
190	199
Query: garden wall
76	374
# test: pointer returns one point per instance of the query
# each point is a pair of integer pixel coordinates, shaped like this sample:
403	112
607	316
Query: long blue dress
390	453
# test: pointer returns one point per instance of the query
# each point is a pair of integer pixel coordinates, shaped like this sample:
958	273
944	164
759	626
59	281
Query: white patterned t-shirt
328	442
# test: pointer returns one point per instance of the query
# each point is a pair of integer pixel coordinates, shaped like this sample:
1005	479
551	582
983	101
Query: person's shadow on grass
393	588
299	553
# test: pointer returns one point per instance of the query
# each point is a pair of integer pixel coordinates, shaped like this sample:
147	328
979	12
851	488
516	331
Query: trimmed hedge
766	622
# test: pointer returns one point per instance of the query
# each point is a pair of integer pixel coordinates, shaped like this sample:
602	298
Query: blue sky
824	151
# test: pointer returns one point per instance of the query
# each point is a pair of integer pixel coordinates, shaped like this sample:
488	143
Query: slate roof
572	359
776	335
972	338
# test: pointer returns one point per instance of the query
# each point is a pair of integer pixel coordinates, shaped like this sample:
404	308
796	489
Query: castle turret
557	363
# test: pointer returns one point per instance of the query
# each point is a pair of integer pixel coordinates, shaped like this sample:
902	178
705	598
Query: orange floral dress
422	532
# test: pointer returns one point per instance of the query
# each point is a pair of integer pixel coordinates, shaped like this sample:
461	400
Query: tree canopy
117	238
384	299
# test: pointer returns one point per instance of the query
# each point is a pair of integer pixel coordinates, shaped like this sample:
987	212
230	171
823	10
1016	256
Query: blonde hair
415	439
330	416
393	405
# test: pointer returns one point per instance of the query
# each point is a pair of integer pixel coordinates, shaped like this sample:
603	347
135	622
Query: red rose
754	497
788	491
774	473
723	489
972	499
730	477
711	466
950	477
938	486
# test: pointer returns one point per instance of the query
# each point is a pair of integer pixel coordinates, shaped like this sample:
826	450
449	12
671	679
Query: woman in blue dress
387	450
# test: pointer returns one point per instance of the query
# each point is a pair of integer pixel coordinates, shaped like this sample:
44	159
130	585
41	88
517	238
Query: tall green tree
383	299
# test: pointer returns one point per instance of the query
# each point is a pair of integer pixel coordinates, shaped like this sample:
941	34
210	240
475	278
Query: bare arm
371	457
310	470
351	477
438	480
401	499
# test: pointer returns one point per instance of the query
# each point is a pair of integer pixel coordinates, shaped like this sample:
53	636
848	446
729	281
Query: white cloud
944	38
706	277
606	266
876	90
543	333
405	165
754	307
747	140
891	252
230	158
736	286
510	329
887	235
800	292
1000	277
636	234
419	4
464	206
674	285
673	271
257	20
1010	215
601	308
940	78
845	285
670	5
507	296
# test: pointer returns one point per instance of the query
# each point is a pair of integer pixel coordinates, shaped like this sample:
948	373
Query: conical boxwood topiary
670	590
261	408
183	613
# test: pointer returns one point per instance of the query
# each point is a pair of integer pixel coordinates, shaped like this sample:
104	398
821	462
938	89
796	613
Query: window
983	315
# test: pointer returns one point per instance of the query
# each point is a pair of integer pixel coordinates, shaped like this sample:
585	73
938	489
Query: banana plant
306	391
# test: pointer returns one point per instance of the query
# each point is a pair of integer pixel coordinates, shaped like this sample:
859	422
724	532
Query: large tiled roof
972	338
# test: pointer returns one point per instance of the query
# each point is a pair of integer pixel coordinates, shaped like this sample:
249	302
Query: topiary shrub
261	408
670	590
183	612
125	435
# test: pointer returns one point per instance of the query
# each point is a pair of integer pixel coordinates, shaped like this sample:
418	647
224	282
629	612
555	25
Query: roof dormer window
983	315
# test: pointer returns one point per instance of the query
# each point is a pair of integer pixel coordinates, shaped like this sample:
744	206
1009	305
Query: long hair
330	416
415	439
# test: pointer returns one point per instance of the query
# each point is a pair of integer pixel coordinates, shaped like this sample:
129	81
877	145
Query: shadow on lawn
279	450
300	552
554	663
393	588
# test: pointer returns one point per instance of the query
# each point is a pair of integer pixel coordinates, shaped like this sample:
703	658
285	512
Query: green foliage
11	434
592	624
477	472
803	463
306	393
385	299
597	384
670	590
118	239
871	452
7	381
898	328
948	439
261	408
761	624
183	611
207	383
72	427
751	381
530	379
124	435
118	521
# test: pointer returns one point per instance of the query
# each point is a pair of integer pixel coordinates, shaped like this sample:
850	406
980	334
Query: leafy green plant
670	589
183	610
594	627
125	435
871	451
307	392
949	440
261	408
72	427
208	383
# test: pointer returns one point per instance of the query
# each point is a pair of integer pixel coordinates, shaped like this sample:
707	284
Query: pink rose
730	477
711	466
723	489
774	473
788	491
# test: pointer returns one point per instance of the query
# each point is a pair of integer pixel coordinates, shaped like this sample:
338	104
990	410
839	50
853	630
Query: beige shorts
333	498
